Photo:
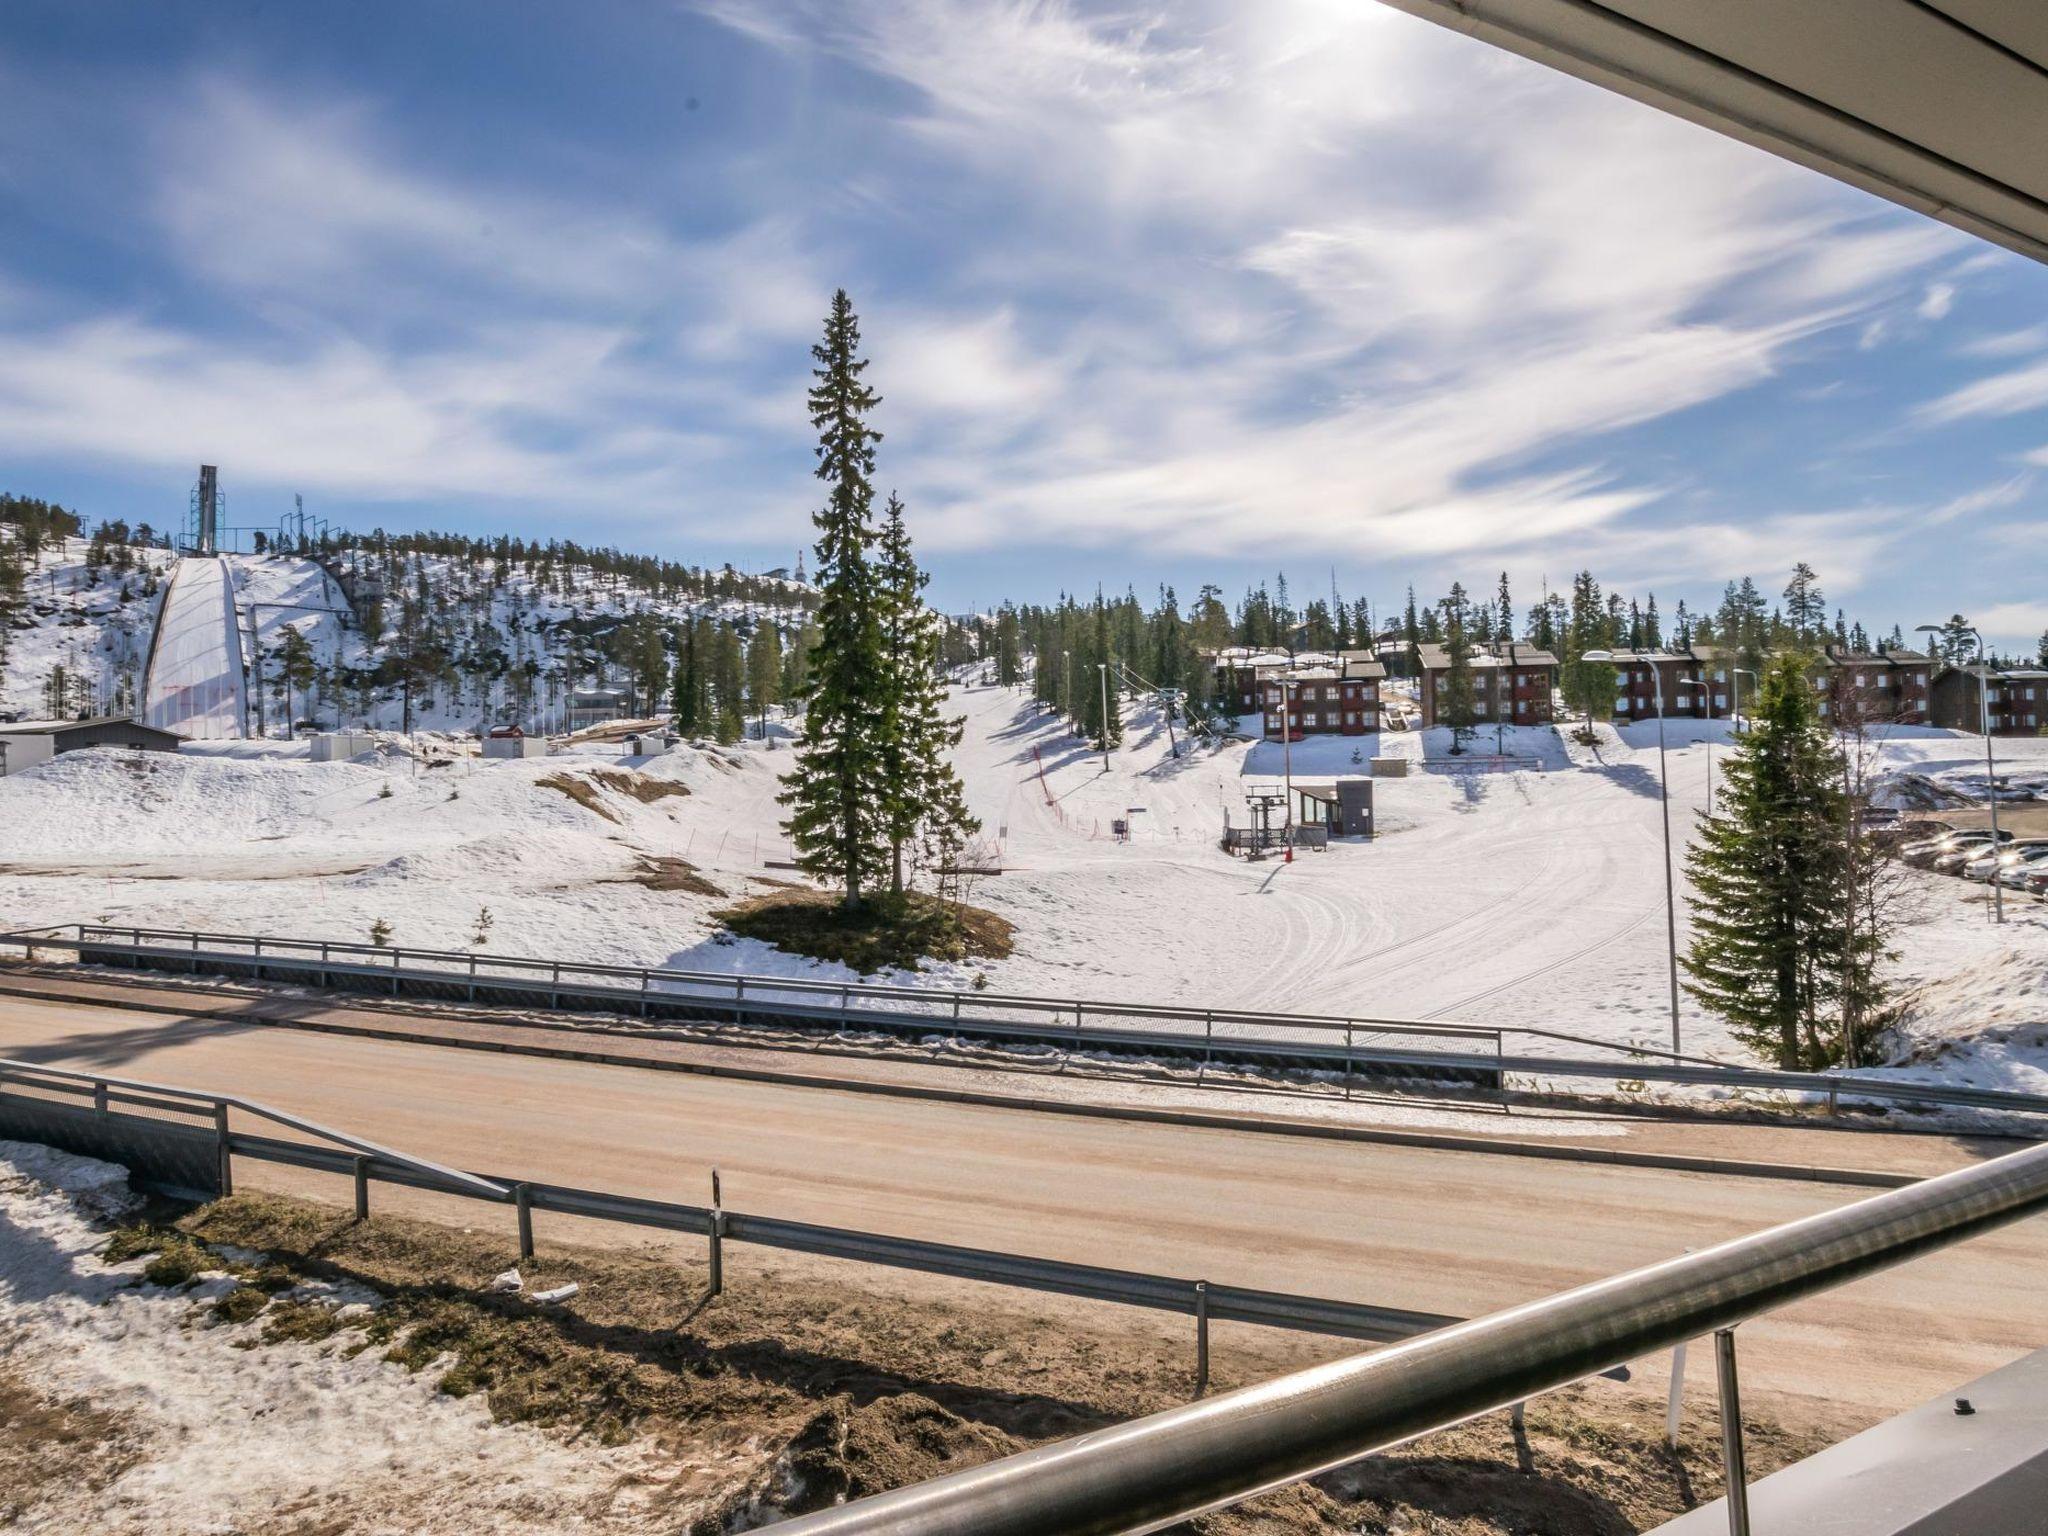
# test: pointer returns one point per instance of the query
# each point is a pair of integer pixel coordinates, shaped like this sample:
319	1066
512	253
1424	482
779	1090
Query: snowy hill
501	633
82	635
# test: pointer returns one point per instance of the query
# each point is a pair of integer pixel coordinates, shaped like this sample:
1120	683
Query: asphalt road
1433	1230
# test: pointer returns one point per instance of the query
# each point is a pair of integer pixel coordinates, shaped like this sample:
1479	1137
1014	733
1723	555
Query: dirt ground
44	1442
797	1389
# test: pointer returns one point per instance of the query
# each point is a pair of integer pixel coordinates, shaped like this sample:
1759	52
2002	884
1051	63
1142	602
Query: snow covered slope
90	627
1531	897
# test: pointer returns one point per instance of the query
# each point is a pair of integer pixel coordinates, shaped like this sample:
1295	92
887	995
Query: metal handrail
28	1071
1153	1472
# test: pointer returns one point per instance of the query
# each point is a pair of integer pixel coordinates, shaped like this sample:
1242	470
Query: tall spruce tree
683	690
1457	703
1777	947
925	808
764	672
837	794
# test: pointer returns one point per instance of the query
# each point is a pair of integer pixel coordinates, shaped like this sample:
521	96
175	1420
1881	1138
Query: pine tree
764	673
686	692
1456	702
1009	657
1806	610
1098	713
836	794
1776	942
925	808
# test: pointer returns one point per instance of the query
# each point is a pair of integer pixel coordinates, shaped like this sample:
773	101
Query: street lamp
1735	677
1103	668
1664	802
1990	770
1287	756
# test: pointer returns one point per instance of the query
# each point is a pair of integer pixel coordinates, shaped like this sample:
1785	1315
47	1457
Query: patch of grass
582	791
659	872
644	787
241	1304
300	1322
806	1384
178	1259
885	933
51	1446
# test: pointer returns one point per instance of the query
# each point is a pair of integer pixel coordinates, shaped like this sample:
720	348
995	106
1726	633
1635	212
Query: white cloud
2002	394
2015	343
1312	314
1939	299
2004	493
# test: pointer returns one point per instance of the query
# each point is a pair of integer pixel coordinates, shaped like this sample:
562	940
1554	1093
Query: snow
100	631
97	632
1523	896
226	1438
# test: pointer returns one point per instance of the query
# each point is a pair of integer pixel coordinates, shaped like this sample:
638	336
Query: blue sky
1196	292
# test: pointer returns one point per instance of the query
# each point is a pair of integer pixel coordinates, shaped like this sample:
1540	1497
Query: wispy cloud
1209	279
2001	394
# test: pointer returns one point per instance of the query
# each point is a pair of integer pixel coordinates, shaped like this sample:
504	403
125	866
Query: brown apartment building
1698	682
1891	687
1511	683
2018	699
1337	695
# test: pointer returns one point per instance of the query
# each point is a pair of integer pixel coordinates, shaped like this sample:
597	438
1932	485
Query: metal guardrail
1388	1050
1156	1471
107	1091
93	1128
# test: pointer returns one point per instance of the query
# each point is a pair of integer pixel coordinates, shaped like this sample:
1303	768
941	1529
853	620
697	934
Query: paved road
1433	1230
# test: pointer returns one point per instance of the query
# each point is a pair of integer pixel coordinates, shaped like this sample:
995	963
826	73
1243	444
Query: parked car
2016	860
1928	850
1992	855
1951	860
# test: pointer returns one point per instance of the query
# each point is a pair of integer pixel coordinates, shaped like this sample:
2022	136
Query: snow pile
1984	1024
226	1438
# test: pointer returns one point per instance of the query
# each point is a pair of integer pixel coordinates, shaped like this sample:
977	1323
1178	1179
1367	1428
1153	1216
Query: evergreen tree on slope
924	797
837	793
1772	935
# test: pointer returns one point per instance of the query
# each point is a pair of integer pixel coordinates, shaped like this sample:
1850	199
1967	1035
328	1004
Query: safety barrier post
223	1152
362	1168
1674	1405
522	1197
99	1097
717	1237
1201	1338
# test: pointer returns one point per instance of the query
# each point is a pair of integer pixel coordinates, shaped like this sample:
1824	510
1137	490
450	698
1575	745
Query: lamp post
1990	770
1735	677
1103	668
1287	759
1664	803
